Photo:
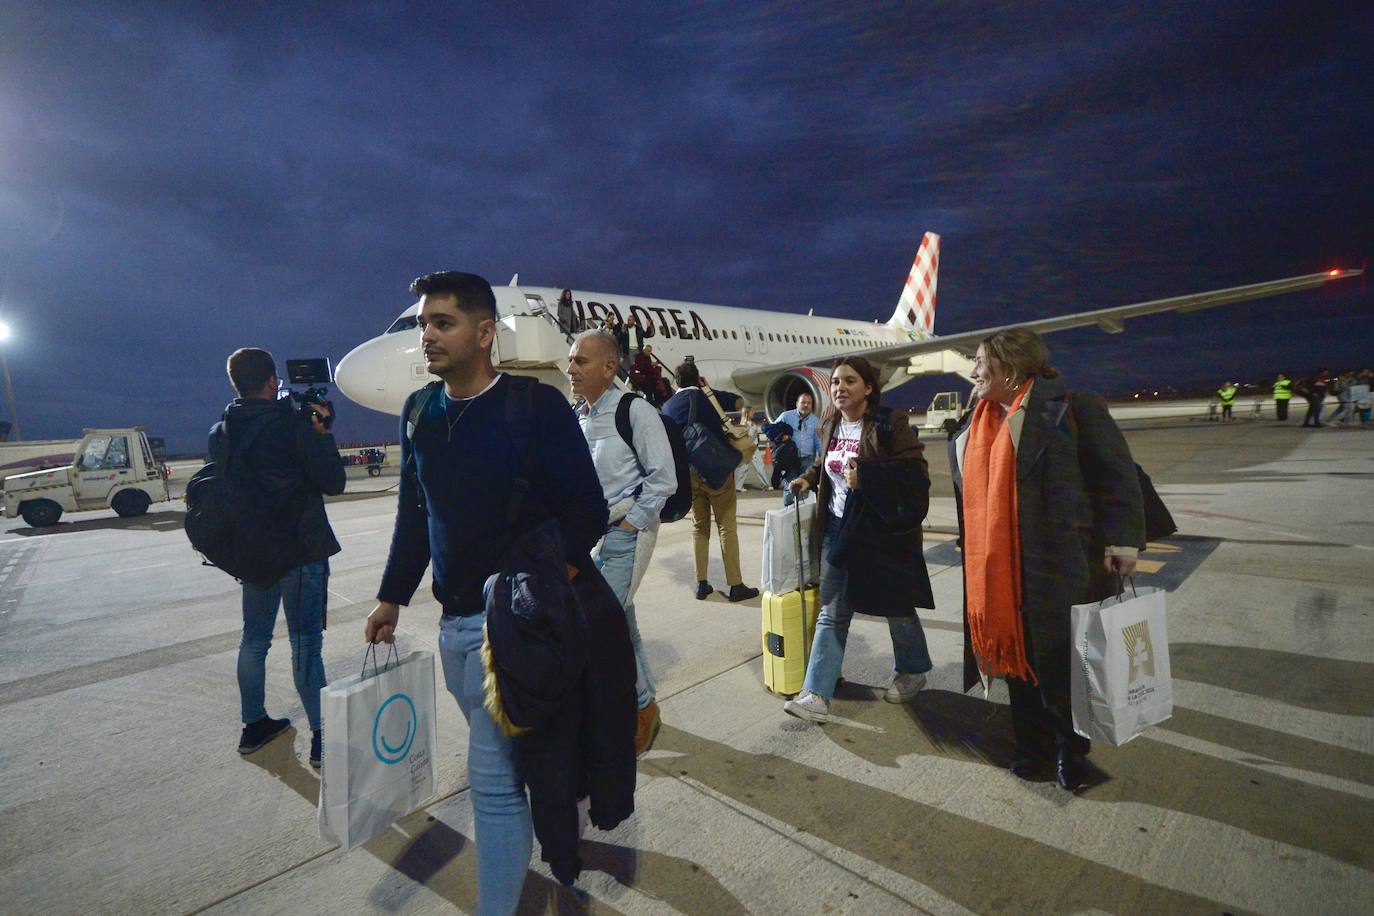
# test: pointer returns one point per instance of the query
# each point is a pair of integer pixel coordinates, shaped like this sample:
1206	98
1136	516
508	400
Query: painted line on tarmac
123	572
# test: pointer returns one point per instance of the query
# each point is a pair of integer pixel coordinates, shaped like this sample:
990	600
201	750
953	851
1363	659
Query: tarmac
121	790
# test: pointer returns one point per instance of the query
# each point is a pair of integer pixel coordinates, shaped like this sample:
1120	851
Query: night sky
176	183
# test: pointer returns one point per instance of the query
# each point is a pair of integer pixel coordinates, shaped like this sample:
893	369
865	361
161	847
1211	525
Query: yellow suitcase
788	631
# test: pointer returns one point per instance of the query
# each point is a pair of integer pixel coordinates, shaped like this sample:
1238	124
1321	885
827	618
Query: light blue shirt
807	433
652	478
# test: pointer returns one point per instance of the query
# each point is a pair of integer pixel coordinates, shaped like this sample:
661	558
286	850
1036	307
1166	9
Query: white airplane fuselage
383	371
769	357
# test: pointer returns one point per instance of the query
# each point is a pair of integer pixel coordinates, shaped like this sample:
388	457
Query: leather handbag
738	433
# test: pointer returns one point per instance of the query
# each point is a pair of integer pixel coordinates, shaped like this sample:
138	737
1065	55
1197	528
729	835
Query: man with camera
293	460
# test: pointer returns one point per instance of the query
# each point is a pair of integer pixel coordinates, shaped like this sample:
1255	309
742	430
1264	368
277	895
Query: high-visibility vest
1227	395
1283	389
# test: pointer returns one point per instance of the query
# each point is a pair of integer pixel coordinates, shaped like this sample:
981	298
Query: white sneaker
808	705
904	688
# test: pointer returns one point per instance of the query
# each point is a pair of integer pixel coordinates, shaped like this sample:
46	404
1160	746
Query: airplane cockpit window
404	323
105	453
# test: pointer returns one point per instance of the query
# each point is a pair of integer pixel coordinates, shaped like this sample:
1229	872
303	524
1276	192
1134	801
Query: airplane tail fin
916	308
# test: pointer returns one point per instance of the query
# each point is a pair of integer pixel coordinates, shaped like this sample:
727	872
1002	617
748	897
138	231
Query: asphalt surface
121	791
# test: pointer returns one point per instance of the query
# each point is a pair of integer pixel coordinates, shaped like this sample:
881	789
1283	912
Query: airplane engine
781	393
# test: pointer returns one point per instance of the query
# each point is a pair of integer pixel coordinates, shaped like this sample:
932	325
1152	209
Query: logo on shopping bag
395	720
1139	650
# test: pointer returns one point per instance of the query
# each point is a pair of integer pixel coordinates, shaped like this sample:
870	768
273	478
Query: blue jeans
505	833
303	591
909	652
622	556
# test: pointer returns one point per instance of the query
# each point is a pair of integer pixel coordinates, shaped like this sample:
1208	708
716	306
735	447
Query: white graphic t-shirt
843	447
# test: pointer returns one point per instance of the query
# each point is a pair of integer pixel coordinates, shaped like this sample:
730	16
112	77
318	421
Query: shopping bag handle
372	651
1121	586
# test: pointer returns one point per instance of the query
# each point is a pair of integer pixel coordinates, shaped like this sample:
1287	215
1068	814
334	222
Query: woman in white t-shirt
873	489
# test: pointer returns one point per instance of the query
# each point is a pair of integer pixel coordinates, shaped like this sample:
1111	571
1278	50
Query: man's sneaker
742	592
260	732
904	688
647	723
703	589
808	705
316	740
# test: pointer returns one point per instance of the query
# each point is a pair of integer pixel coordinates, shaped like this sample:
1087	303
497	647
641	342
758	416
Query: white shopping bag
379	755
780	564
1120	681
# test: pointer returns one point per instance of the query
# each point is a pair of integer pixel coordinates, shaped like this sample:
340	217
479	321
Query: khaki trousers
722	501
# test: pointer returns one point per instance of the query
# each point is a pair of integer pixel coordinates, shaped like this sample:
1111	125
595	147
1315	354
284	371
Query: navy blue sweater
456	514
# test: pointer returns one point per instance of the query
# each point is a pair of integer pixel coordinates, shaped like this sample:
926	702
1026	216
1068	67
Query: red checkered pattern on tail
916	307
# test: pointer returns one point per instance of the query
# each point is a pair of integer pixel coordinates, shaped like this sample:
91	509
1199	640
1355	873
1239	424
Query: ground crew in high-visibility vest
1283	392
1227	393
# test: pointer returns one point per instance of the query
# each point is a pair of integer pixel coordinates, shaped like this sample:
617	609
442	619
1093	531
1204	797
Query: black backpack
231	522
680	503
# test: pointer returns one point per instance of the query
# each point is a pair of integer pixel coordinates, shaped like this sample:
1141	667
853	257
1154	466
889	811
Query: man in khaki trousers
706	500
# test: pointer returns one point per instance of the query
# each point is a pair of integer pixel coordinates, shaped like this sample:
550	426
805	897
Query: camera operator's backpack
230	521
680	503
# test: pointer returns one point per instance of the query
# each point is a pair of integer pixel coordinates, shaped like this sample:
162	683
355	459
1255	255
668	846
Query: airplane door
748	339
763	339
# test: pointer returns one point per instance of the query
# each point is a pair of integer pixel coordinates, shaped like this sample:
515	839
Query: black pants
1281	410
1225	412
1041	730
1314	414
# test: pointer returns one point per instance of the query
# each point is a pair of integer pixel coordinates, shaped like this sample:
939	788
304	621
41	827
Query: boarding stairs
536	342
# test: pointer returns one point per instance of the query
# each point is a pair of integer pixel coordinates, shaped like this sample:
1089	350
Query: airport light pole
9	386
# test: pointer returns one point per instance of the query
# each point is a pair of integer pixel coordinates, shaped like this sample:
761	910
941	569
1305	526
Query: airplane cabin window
404	323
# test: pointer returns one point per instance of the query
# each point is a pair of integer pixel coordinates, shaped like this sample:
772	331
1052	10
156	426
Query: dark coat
880	541
1076	494
565	669
294	465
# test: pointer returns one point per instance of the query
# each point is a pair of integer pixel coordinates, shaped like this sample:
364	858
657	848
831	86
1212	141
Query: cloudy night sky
178	180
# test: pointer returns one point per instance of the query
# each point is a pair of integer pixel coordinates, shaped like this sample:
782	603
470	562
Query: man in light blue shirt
805	427
636	482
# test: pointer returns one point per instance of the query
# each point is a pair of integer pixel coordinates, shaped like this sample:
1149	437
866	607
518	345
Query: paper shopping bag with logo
783	551
1120	682
379	754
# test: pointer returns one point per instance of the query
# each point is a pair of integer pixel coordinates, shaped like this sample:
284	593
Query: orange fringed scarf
992	545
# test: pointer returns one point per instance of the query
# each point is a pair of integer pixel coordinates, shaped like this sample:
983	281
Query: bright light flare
1334	272
4	332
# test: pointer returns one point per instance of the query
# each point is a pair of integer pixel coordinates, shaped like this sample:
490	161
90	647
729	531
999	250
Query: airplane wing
1111	320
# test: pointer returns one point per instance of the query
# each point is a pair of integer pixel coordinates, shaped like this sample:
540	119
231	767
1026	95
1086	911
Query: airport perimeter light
9	386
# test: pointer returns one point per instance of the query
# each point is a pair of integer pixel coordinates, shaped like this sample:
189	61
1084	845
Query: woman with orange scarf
1050	515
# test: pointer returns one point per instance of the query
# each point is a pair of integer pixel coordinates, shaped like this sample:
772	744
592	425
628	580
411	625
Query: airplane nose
361	376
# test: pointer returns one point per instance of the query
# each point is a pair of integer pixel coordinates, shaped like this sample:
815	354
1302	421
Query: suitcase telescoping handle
801	578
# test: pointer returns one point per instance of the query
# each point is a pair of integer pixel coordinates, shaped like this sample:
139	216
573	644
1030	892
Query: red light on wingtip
1334	272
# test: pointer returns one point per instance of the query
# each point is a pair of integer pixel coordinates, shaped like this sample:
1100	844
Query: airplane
768	357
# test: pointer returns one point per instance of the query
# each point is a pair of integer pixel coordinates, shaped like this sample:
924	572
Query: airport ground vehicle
120	469
944	412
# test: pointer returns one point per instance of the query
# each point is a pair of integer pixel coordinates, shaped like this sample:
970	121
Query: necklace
454	422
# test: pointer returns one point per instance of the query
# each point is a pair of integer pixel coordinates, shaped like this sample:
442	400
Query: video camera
315	374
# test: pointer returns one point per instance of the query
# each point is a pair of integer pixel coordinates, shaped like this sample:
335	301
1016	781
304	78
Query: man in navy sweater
459	466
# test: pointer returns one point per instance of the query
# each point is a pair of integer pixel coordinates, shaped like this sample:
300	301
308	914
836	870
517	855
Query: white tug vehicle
112	469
